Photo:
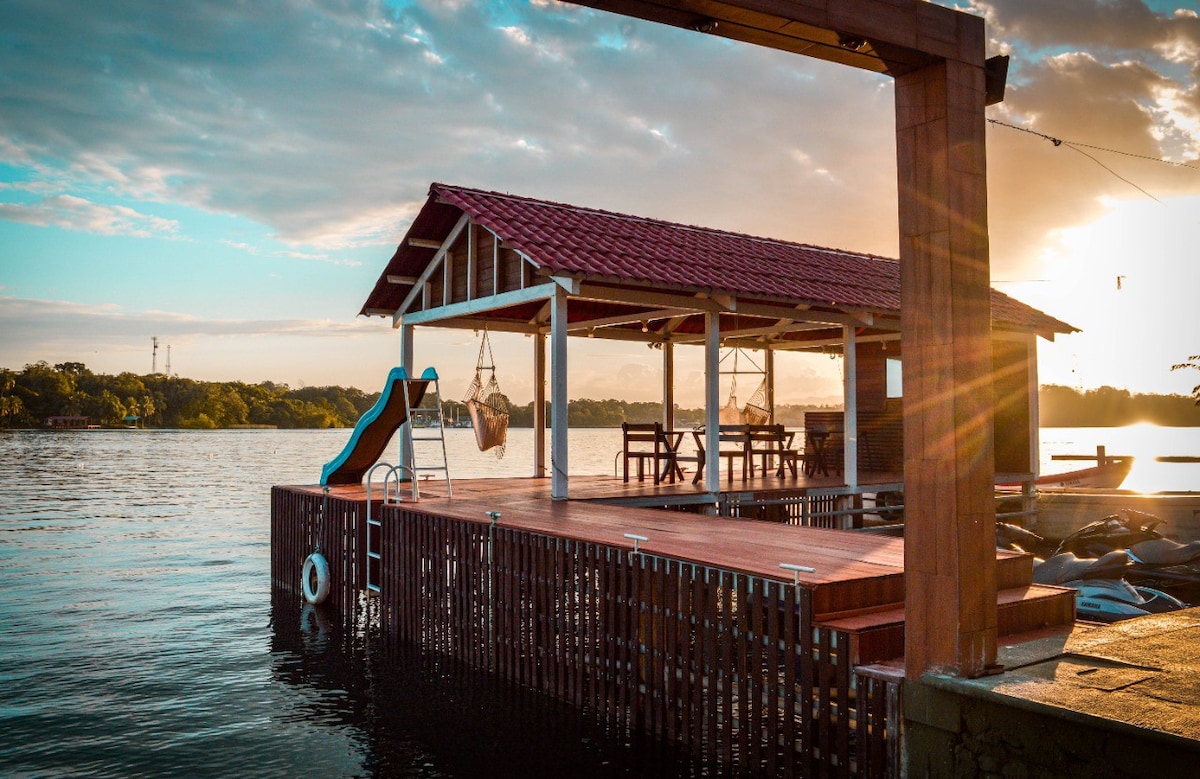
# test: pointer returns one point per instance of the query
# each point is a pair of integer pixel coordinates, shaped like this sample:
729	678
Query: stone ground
1144	673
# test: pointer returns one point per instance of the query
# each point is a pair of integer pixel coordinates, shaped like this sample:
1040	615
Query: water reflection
425	715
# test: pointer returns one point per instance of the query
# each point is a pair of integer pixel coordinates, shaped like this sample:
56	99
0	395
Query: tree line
31	396
1110	407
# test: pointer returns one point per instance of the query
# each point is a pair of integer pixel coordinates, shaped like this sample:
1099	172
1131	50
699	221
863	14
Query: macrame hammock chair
486	404
756	411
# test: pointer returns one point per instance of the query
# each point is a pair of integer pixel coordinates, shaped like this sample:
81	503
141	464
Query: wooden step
878	635
886	590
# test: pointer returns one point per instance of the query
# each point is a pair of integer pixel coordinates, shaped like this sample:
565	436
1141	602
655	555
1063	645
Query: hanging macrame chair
730	414
756	411
486	403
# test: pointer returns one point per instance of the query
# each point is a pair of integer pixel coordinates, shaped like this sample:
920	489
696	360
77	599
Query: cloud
75	213
256	251
28	320
1101	75
327	121
1092	24
111	339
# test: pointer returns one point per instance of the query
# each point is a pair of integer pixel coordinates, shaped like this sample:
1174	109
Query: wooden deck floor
851	570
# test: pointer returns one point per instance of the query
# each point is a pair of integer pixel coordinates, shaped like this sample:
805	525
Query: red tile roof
605	246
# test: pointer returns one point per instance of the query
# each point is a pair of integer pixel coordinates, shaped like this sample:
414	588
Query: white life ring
314	579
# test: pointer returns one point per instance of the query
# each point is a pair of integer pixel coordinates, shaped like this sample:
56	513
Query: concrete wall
953	734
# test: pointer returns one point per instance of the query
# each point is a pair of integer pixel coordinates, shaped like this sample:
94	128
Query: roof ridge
665	222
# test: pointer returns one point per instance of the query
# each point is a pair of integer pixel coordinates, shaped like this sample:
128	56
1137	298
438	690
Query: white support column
406	362
558	395
539	405
668	393
712	400
850	406
472	261
1035	420
1028	495
769	368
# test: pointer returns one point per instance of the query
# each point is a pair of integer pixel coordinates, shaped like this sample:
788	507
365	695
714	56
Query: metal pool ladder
374	525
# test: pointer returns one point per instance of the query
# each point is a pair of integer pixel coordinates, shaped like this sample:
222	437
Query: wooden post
558	394
949	544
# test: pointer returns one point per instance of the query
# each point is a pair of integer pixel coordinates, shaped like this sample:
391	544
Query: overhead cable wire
1079	147
1110	170
1073	144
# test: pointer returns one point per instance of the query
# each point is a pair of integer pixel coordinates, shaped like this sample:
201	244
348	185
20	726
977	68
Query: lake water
141	636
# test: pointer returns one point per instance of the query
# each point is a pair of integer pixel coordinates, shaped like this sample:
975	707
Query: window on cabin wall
894	378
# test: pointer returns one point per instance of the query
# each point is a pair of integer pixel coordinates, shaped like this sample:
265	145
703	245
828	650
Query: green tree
1193	362
105	408
10	408
148	409
46	391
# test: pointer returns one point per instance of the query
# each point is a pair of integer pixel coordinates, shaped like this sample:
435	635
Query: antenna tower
154	355
168	359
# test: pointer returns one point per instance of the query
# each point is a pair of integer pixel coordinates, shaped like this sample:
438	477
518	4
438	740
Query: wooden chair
642	442
768	442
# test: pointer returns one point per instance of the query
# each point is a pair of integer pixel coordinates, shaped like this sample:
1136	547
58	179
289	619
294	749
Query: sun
1128	280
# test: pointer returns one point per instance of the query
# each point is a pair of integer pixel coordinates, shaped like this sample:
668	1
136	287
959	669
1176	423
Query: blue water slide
375	428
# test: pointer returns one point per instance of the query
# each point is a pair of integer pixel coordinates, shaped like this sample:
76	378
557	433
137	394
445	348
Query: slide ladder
428	380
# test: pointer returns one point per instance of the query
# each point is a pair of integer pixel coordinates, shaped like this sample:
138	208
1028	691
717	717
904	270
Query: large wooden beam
884	36
945	322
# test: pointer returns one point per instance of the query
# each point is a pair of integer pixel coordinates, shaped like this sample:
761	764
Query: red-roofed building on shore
474	259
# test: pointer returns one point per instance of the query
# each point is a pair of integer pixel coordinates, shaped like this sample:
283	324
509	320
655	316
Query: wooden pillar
539	405
558	395
668	389
850	406
406	362
949	544
712	400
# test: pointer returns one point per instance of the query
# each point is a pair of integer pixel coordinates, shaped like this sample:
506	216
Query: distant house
67	422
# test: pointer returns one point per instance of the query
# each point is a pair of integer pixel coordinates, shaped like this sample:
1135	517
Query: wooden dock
699	637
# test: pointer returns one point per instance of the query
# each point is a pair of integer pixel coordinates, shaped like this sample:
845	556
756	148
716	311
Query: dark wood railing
725	664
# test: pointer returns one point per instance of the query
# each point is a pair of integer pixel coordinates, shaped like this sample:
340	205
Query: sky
232	177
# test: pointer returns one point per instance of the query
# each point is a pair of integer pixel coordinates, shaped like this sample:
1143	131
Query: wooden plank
722	670
710	664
